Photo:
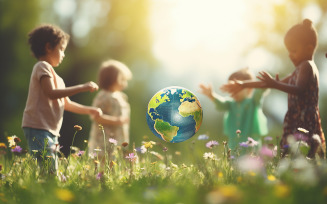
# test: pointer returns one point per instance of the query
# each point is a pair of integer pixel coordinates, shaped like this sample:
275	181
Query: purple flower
17	149
211	144
99	175
131	157
203	137
80	153
244	144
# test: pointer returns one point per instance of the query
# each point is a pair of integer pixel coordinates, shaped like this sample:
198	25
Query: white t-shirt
41	112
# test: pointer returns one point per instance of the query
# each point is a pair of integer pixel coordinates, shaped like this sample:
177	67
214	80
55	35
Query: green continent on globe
167	131
159	100
194	109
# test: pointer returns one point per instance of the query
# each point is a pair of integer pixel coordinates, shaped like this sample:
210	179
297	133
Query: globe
174	114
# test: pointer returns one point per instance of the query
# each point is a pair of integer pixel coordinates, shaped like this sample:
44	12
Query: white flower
209	155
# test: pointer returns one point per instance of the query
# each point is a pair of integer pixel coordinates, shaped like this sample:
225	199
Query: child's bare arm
74	107
53	93
111	120
302	81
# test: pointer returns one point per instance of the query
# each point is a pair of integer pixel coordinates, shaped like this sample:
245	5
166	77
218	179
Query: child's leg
42	145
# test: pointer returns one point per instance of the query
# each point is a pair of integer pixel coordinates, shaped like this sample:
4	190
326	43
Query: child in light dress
113	79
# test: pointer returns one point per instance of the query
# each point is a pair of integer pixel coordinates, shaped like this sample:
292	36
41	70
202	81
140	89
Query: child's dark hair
242	75
41	35
303	33
109	71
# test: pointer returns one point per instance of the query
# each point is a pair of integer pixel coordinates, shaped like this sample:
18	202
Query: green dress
245	115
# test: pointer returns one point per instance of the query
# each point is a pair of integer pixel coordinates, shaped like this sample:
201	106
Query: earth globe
174	114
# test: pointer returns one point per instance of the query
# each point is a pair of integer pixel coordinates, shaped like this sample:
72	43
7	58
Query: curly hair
242	75
43	34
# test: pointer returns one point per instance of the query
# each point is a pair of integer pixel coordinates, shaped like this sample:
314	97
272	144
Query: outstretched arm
74	107
233	87
49	88
305	72
111	120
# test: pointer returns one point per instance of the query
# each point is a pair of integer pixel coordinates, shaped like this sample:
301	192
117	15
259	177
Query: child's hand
268	79
91	86
233	87
95	112
206	90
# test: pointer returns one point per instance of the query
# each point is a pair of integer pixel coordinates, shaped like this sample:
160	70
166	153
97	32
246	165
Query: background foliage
119	29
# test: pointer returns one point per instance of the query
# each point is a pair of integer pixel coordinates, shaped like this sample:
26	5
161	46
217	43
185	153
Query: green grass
158	177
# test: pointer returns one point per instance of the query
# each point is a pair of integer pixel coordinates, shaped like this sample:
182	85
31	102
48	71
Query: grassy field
148	173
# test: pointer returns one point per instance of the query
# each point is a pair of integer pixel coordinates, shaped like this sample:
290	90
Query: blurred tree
16	20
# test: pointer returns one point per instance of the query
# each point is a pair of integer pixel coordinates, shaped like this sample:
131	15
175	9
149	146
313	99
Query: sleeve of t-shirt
43	69
104	103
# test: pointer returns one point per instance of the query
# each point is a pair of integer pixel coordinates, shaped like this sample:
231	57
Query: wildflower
124	144
251	142
85	141
265	151
271	177
165	149
243	144
100	127
220	174
303	130
99	175
98	150
11	140
249	163
141	149
113	141
77	127
65	195
112	163
238	132
16	149
211	144
178	153
131	157
209	155
3	145
149	144
203	137
80	153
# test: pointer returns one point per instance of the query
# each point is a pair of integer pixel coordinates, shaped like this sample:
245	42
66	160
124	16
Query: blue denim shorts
42	144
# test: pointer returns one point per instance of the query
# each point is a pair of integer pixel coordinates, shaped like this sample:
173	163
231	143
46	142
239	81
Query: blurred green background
139	33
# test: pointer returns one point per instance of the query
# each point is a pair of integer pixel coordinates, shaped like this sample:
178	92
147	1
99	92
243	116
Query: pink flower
211	144
267	152
112	141
131	157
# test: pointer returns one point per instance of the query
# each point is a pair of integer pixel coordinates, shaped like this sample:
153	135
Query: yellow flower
65	195
220	174
282	191
148	145
271	178
251	173
3	145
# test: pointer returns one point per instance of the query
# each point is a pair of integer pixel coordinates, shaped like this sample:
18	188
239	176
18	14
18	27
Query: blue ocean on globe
174	114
